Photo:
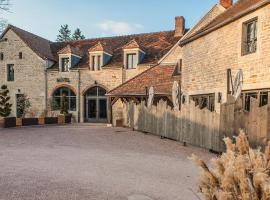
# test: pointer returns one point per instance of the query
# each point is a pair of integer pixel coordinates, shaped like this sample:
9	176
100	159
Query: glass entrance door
92	109
96	105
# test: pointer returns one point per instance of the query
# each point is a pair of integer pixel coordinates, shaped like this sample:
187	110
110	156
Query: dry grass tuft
241	173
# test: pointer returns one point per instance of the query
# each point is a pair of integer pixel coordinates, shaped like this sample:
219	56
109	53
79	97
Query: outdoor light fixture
96	83
19	91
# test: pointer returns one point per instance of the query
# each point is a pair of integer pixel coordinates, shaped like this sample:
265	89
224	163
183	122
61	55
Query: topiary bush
241	173
5	106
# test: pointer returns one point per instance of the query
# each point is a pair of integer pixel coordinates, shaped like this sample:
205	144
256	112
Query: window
93	62
1	56
98	62
260	95
65	64
249	37
205	101
67	96
10	72
131	61
20	55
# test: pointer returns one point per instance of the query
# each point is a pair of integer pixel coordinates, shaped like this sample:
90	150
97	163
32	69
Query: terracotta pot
1	122
41	121
61	119
18	121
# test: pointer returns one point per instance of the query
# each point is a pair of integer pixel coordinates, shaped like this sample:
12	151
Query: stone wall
29	73
206	59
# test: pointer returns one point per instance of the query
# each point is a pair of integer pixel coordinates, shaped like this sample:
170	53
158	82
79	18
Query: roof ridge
113	37
12	26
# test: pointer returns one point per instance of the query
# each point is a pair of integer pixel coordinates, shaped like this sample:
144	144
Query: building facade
80	73
237	38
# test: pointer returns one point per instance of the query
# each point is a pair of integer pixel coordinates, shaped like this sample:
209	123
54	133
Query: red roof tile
131	45
100	47
239	9
160	77
155	45
70	49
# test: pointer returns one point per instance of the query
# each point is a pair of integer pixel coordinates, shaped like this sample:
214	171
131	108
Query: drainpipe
79	96
46	85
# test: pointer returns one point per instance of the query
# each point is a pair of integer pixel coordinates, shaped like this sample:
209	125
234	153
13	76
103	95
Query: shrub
5	106
23	105
239	173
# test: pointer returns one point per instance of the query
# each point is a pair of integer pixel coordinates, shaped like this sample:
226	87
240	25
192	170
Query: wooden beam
114	100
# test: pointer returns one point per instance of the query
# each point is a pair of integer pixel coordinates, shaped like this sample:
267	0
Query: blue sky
98	18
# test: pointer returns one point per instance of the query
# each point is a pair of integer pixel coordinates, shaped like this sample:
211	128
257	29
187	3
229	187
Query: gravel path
94	163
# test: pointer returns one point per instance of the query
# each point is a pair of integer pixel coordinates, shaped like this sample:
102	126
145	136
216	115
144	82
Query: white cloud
119	28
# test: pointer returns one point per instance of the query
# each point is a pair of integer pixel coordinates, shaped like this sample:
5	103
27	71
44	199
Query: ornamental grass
241	173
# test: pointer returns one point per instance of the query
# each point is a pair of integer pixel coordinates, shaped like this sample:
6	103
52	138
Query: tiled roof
100	47
239	9
70	49
131	45
159	76
38	44
155	45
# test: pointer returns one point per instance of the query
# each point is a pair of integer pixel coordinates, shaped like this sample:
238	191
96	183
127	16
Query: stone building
237	37
83	71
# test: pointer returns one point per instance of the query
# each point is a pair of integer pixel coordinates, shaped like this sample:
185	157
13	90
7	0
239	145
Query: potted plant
23	106
5	108
64	116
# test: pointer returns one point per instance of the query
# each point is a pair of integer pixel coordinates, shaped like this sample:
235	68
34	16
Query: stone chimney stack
179	26
226	3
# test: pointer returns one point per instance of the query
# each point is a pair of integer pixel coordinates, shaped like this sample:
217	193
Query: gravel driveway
94	163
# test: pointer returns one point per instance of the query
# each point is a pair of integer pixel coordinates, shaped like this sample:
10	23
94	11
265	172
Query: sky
99	18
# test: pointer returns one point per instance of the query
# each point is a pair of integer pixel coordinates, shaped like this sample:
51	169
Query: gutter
226	22
139	94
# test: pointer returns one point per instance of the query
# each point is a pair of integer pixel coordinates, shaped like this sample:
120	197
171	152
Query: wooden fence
200	127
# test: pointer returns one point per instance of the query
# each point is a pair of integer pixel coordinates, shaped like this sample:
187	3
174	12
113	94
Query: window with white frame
249	37
65	64
131	61
96	62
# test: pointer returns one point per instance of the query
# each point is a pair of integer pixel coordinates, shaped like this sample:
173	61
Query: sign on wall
63	80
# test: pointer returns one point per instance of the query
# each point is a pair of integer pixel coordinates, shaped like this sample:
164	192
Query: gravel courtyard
86	162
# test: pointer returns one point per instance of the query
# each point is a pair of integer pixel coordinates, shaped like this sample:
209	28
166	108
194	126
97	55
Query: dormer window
96	62
69	57
99	55
65	64
133	55
132	60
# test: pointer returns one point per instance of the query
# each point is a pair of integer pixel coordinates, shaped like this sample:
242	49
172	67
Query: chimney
179	26
226	3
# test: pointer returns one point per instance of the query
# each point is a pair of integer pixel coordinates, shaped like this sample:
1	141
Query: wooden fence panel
200	127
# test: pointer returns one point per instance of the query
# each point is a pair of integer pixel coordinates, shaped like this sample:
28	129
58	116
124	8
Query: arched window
68	96
95	92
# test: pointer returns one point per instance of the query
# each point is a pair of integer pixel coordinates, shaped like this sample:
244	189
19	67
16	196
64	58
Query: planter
9	122
18	121
51	120
29	121
41	121
1	122
61	119
68	118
